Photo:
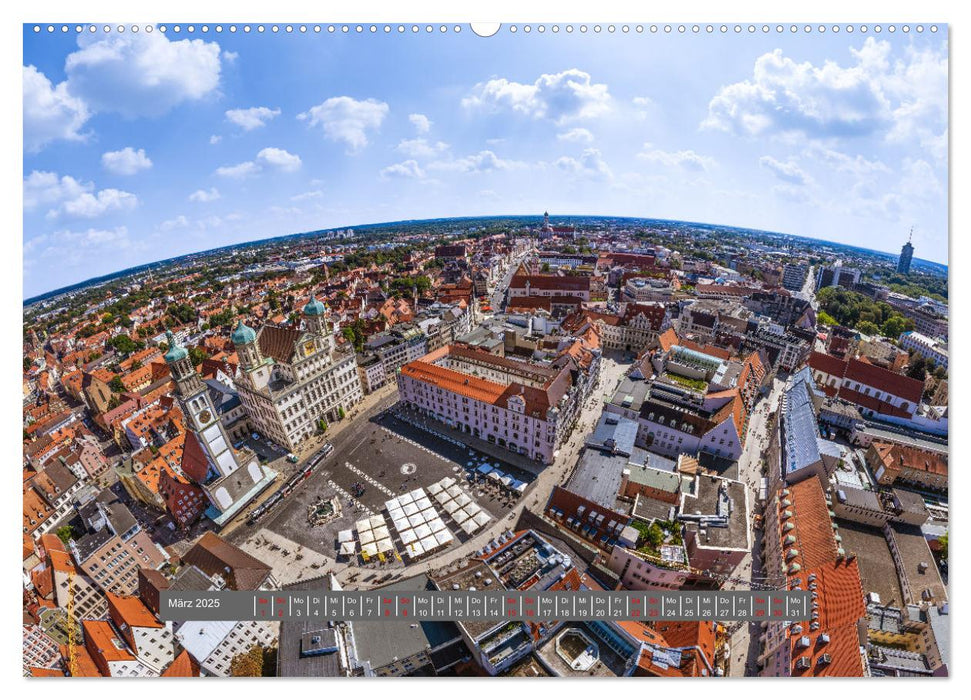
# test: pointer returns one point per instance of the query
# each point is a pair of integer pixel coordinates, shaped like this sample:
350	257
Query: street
745	640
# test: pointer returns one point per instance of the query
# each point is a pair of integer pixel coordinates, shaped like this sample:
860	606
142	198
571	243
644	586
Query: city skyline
143	147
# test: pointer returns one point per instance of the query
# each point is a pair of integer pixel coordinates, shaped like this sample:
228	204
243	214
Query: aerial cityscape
536	403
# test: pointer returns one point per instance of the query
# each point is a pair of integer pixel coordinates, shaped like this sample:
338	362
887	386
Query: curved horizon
118	274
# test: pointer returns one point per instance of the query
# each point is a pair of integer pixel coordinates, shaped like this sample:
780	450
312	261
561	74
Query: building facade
294	378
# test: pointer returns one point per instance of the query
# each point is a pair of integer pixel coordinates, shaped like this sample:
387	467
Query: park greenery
854	310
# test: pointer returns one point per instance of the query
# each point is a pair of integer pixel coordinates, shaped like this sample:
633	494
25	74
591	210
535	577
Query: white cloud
561	97
590	164
304	196
280	159
209	195
421	123
127	161
905	99
346	119
642	106
576	135
787	171
45	188
238	171
844	163
251	118
50	112
688	160
214	139
421	148
173	224
230	56
483	161
141	74
407	169
90	205
272	157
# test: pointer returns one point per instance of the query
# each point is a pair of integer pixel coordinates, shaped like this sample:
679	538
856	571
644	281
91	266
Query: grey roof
940	620
614	434
381	643
648	509
859	498
800	432
631	394
222	397
597	477
714	496
191	578
292	661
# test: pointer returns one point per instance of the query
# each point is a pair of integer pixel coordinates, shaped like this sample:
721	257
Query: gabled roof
195	463
214	555
279	342
184	666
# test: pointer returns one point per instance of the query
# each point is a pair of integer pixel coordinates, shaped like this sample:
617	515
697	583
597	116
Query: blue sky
143	146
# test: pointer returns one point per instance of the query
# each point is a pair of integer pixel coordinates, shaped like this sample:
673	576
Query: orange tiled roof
131	610
184	666
100	639
456	382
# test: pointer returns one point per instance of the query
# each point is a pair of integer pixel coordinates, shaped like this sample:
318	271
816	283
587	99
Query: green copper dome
243	334
314	307
175	352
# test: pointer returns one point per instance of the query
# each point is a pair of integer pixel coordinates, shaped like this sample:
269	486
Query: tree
197	356
28	363
117	385
545	267
868	328
918	369
65	533
123	344
895	325
825	319
340	412
943	543
255	662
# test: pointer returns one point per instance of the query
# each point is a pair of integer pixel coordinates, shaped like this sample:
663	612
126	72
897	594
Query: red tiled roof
885	380
184	666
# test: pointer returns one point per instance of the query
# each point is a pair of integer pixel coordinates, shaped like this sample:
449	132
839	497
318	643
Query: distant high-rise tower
906	254
546	220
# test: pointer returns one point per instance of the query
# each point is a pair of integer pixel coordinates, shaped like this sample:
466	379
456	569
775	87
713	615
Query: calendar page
539	349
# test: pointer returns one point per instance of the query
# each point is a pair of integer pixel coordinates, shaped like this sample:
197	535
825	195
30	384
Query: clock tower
199	411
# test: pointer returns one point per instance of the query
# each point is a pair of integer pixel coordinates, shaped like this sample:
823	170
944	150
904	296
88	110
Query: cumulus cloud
347	120
590	164
421	148
576	135
252	117
561	97
209	195
421	123
407	169
46	188
903	99
271	157
238	171
483	161
127	161
280	159
50	112
687	160
214	139
173	224
786	171
141	74
67	196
